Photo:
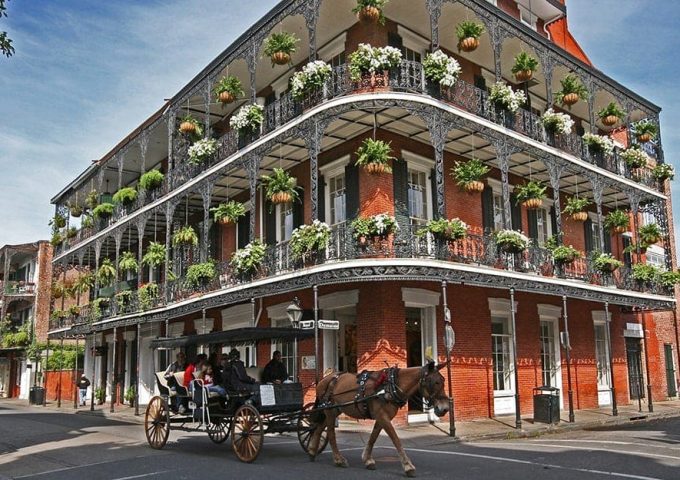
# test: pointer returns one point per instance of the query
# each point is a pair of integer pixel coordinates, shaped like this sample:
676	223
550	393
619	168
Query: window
594	232
338	60
497	211
410	55
284	222
286	348
648	218
527	18
544	226
338	199
502	355
548	364
656	256
602	355
417	196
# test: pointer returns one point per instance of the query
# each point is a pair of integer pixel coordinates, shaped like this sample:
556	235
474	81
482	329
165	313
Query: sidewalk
502	427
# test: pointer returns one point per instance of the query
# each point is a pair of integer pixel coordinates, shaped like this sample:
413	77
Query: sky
86	73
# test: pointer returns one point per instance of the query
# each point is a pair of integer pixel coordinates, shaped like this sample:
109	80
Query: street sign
329	324
447	315
564	339
307	324
449	338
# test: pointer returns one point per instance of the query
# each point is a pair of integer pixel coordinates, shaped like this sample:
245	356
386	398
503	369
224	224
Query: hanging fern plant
128	263
106	273
155	255
185	236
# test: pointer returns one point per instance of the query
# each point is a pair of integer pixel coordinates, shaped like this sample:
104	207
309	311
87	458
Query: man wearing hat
239	379
83	383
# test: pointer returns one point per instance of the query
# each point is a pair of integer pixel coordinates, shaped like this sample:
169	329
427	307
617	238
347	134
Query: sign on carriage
329	324
307	324
267	396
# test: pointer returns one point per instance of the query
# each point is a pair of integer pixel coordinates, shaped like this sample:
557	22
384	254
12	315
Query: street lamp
294	313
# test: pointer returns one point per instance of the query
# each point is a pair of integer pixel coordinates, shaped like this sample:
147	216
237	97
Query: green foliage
524	62
374	152
643	272
645	127
185	236
229	84
565	254
100	394
663	172
6	47
280	181
155	255
247	260
151	180
228	212
125	196
576	205
649	234
71	232
380	225
198	128
87	222
469	29
123	298
443	229
605	263
200	274
92	200
283	42
104	210
635	157
106	273
530	190
128	262
616	219
571	84
57	222
64	359
74	310
57	239
379	4
83	283
130	394
669	279
611	110
147	294
465	173
309	238
76	210
511	240
367	59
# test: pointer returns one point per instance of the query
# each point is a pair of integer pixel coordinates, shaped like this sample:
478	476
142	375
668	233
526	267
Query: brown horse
377	395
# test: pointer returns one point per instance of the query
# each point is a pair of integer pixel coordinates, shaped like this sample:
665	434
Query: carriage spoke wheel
247	433
305	431
157	423
218	430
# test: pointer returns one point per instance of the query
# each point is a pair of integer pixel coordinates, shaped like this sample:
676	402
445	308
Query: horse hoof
370	466
342	464
410	473
312	458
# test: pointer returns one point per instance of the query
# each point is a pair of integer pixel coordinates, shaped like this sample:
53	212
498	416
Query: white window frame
503	399
595	232
413	41
422	165
532	21
547	206
656	256
248	209
333	48
603	389
497	191
329	171
279	224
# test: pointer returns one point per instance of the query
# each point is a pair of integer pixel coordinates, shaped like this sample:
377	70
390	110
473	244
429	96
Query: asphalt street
44	444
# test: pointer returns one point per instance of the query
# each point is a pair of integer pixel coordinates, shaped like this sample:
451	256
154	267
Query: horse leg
315	441
338	459
367	455
409	469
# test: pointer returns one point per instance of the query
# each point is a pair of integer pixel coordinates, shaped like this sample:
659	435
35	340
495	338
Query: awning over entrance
239	336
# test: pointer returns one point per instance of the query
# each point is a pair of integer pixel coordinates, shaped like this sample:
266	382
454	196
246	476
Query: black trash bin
547	404
36	396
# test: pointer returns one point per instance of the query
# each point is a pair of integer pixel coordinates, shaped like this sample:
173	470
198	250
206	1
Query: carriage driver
275	370
239	379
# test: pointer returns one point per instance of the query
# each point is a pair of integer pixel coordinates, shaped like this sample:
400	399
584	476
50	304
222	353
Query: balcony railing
409	77
476	249
17	287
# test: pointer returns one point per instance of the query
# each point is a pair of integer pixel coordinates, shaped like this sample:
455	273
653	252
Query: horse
375	395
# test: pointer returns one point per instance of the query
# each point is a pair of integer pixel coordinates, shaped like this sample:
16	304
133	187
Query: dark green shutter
243	231
352	190
627	256
487	209
433	183
607	242
515	214
532	216
299	211
553	220
321	198
670	370
588	235
400	179
394	40
270	223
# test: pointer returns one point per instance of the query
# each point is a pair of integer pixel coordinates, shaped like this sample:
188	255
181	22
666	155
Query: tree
6	47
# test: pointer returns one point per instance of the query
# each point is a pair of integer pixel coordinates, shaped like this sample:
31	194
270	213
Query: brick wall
43	291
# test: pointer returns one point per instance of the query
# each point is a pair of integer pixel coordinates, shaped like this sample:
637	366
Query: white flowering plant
556	122
368	59
309	238
312	76
248	118
441	68
505	97
441	228
249	258
202	150
512	241
635	157
380	225
598	143
663	172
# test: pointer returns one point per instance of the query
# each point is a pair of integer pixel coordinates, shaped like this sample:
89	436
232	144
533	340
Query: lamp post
294	313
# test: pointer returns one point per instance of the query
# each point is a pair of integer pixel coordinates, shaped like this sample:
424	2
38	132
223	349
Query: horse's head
432	388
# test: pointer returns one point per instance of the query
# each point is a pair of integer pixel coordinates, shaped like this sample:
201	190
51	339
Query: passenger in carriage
208	379
238	378
275	370
194	368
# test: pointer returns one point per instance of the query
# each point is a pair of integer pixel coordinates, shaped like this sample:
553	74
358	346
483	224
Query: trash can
36	396
547	404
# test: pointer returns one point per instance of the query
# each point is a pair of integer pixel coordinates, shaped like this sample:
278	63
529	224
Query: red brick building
390	293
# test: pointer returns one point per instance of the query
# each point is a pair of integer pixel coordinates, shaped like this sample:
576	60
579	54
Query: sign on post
307	324
449	338
329	324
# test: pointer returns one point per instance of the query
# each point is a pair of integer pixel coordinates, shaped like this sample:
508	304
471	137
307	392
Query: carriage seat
255	372
165	389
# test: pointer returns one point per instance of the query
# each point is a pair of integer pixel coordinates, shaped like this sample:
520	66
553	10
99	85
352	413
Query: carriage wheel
218	430
305	431
157	423
247	433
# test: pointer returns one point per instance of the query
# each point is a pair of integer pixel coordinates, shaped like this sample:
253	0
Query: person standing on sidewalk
83	383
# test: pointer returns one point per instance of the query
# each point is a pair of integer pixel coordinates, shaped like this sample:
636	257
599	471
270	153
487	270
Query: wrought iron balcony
17	288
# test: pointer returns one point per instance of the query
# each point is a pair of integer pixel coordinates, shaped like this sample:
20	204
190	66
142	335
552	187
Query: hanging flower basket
280	187
530	194
280	58
580	216
369	15
370	11
611	114
533	203
469	44
376	168
225	97
279	47
281	198
524	76
570	99
474	187
468	34
610	120
644	138
227	89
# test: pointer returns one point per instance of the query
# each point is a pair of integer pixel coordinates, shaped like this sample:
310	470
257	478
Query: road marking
608	442
64	469
590	449
143	475
522	462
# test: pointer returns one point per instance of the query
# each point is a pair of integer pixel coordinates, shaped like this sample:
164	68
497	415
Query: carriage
246	416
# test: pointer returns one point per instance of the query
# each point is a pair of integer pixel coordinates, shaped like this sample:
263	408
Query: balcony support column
114	370
434	8
439	129
141	226
634	200
97	254
313	138
253	166
311	14
251	61
143	147
120	160
93	382
503	153
548	66
608	321
118	237
567	352
597	196
169	214
555	170
650	404
206	193
590	86
172	120
138	341
207	97
518	413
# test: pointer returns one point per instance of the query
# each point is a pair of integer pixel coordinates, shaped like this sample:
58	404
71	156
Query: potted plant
611	114
576	208
99	395
645	131
185	236
469	175
530	194
155	255
377	226
247	119
106	273
668	279
441	69
564	254
524	67
87	222
151	180
571	92
635	246
71	232
228	89
307	240
649	234
445	230
468	34
644	273
76	210
188	125
123	299
280	187
505	98
146	295
200	274
279	47
511	241
130	396
104	210
128	263
125	196
57	239
58	221
617	221
663	172
92	200
374	156
635	158
370	11
598	144
312	77
74	310
605	263
556	122
230	212
367	62
248	259
202	150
